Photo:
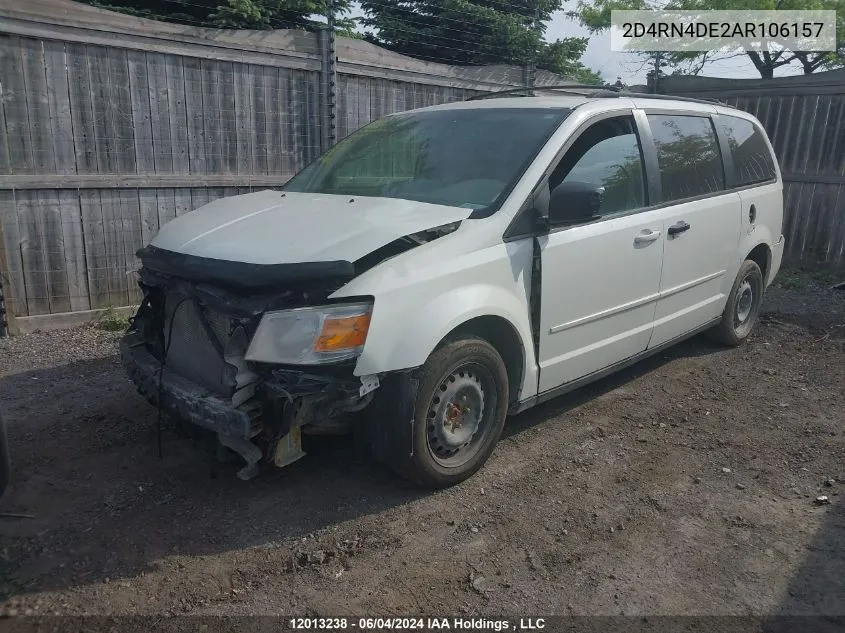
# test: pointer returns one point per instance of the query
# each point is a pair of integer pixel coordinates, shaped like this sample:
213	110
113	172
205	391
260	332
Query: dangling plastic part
246	449
289	448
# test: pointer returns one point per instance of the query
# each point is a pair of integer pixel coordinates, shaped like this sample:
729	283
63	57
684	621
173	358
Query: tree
595	15
235	14
475	32
563	57
449	31
766	62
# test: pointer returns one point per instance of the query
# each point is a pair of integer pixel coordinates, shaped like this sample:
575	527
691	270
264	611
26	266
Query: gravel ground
684	485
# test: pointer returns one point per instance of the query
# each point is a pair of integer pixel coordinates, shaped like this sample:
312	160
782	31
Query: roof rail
649	95
576	89
596	92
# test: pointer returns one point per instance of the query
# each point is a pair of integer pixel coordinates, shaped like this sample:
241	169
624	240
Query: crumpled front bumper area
181	398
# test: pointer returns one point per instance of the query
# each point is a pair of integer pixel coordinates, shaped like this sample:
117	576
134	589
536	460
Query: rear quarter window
752	160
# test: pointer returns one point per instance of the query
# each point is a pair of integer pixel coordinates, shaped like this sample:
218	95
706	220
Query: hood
273	227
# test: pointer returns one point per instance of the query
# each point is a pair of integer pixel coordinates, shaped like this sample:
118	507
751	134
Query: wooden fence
805	119
114	125
110	125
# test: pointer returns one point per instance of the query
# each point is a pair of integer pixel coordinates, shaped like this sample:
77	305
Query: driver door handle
646	236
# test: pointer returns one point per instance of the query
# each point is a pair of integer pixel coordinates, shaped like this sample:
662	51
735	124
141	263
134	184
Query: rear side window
751	157
688	156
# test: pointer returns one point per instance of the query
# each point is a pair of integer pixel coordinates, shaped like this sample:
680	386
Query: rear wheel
459	413
743	306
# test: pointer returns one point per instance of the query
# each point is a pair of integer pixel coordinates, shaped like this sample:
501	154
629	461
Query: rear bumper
179	397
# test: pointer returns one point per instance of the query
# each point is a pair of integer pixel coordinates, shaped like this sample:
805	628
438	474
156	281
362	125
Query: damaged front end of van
256	351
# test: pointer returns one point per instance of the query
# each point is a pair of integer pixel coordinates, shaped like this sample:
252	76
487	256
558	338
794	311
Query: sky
629	66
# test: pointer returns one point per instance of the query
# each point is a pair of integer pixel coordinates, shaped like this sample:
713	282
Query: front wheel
459	413
743	306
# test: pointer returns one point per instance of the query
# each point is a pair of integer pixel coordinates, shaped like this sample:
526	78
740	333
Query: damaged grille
195	339
202	312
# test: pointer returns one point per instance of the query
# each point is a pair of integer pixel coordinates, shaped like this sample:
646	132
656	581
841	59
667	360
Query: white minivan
442	268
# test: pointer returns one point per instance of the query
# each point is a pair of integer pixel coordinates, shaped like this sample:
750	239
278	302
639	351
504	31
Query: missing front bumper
180	397
203	331
272	429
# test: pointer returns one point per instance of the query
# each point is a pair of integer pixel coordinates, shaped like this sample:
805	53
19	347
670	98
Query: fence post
7	319
530	71
3	329
328	82
658	64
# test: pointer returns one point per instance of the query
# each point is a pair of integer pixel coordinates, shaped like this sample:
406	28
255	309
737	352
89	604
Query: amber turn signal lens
341	333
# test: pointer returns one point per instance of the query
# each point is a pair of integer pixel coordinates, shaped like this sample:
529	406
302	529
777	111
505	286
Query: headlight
311	336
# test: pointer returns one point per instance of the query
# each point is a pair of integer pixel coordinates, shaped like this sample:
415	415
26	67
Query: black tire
743	306
453	435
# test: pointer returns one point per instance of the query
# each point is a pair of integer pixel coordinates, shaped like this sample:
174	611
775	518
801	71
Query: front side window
688	156
468	158
607	155
751	157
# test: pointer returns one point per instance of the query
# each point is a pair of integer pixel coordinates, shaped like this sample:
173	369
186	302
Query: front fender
418	303
395	343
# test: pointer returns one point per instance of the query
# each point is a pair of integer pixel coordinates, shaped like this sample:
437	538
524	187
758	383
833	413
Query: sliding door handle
678	228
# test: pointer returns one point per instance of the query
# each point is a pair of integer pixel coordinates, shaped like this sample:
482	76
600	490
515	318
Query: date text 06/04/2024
416	624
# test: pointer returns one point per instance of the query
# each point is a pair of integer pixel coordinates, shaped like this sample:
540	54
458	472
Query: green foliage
448	31
235	14
807	277
241	14
112	321
790	280
476	32
595	15
766	62
562	57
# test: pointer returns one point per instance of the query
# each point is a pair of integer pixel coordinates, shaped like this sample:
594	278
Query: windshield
462	158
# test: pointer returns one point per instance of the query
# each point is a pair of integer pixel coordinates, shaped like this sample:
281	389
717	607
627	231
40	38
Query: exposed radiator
191	353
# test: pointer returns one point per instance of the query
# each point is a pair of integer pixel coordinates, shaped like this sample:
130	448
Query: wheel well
762	256
501	335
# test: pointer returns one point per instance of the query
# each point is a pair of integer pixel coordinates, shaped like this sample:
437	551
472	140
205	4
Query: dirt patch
684	485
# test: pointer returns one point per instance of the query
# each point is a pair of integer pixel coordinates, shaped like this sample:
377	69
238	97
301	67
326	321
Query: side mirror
574	203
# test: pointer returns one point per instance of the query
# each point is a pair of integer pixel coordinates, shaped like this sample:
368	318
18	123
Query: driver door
600	279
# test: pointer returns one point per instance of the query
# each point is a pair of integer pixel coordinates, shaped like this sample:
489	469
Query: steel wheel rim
744	302
458	415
